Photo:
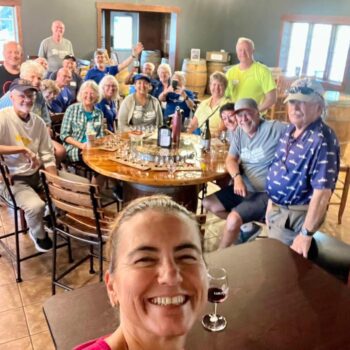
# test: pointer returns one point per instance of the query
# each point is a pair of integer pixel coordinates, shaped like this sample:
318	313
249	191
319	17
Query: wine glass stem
215	309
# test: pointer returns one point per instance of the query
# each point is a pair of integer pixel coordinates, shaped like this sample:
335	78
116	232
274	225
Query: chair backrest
79	205
74	197
56	121
283	84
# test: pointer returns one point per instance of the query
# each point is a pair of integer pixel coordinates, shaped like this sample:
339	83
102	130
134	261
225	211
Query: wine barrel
196	75
151	56
214	67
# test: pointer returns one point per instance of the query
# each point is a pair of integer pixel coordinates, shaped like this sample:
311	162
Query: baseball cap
70	57
141	77
246	103
304	90
22	85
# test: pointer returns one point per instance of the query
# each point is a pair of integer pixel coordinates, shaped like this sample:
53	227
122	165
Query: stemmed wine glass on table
217	293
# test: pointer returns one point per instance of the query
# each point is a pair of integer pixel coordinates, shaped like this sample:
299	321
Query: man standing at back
55	47
9	71
250	79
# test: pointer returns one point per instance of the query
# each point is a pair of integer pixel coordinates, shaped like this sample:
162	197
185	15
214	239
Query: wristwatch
233	176
305	232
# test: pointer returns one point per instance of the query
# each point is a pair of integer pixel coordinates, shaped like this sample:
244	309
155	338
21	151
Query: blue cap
142	77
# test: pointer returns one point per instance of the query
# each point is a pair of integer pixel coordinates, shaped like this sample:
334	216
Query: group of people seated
274	168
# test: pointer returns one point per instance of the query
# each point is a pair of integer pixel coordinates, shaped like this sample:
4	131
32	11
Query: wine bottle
206	137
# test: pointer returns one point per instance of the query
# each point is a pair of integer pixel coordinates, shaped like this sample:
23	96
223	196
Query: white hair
30	67
109	79
246	40
89	84
180	76
164	66
150	64
8	43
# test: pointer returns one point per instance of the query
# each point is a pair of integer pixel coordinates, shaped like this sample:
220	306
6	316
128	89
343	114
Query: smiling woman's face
160	280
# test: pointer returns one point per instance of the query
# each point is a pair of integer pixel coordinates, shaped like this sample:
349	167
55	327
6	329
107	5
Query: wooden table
277	301
183	187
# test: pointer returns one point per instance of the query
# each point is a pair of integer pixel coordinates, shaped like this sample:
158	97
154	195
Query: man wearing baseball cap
251	151
304	171
26	146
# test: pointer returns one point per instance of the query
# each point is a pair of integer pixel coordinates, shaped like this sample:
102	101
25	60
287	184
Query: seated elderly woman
209	108
140	108
109	91
157	280
176	95
101	69
50	91
80	120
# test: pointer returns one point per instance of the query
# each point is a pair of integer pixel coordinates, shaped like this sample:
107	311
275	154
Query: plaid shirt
74	125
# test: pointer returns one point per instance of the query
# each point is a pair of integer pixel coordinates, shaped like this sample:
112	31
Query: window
317	47
9	22
124	30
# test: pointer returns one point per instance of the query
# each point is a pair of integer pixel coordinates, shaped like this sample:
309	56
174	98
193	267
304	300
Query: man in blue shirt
305	169
101	69
65	98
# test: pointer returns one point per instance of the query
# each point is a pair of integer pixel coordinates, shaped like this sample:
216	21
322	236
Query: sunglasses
305	90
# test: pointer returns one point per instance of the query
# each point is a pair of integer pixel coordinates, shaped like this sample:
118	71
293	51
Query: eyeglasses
28	97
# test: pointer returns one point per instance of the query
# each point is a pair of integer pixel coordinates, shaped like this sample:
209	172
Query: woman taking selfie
157	280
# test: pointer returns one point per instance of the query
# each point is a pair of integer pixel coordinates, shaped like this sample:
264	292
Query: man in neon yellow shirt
250	79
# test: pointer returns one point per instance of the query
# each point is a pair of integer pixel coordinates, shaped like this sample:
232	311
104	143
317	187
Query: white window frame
288	20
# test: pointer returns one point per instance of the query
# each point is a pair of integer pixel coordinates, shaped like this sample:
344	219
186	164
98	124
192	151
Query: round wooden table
183	186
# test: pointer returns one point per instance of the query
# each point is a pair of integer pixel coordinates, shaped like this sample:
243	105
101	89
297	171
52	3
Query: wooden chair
278	110
56	122
342	189
20	226
81	218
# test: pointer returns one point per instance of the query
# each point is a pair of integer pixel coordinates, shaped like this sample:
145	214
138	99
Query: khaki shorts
285	223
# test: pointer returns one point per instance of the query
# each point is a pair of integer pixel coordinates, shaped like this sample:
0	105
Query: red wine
216	295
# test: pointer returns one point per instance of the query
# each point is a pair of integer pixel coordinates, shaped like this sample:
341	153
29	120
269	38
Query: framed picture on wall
195	54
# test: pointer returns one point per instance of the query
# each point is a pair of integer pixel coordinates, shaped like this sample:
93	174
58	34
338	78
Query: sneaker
248	232
41	244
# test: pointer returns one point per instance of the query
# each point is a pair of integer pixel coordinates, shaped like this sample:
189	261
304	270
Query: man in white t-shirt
26	146
55	47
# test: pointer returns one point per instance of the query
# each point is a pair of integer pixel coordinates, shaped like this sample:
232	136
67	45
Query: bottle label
205	144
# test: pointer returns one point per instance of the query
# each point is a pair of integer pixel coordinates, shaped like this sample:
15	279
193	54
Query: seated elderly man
9	71
65	98
26	146
304	171
101	69
69	62
251	152
33	72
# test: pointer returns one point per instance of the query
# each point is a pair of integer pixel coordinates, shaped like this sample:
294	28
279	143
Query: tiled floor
22	323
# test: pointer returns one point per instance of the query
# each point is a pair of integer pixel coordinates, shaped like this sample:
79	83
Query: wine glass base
216	325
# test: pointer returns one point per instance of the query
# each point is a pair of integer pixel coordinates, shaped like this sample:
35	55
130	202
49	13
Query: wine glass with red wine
217	293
